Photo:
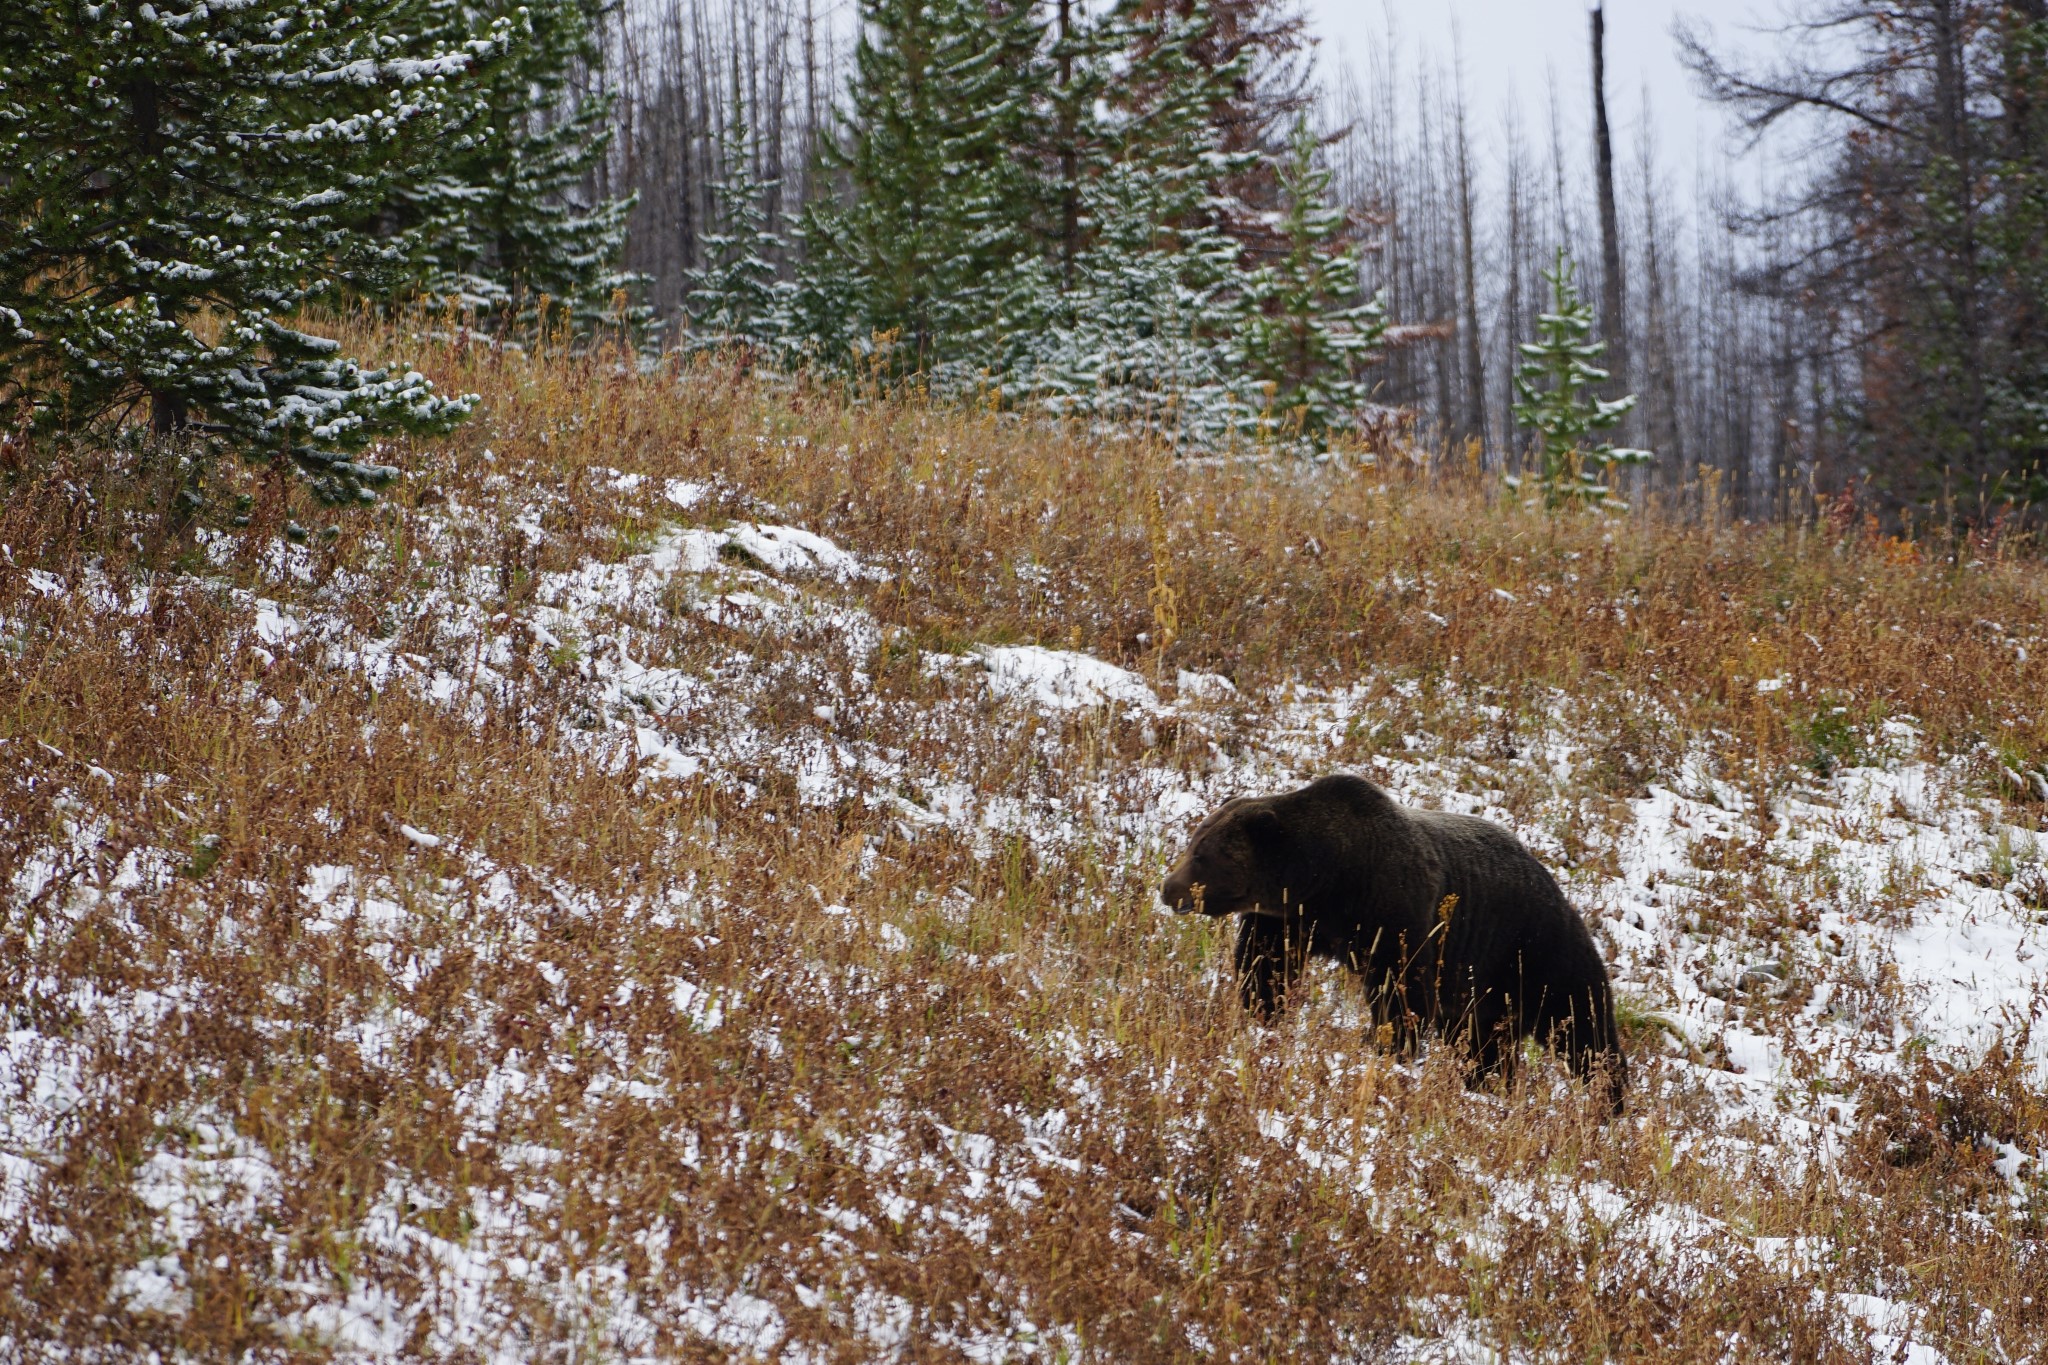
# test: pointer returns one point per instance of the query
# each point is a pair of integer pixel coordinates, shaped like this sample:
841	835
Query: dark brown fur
1455	926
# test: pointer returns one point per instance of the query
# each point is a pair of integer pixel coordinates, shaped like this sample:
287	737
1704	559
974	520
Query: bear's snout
1179	892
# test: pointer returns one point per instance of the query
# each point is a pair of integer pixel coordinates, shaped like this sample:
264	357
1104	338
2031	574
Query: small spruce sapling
1555	383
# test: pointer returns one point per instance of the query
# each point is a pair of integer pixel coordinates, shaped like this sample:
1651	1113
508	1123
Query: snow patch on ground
1062	679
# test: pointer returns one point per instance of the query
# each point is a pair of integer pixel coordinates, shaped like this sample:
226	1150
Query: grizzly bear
1455	927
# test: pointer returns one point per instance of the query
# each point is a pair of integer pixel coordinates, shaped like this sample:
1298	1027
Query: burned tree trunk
1612	301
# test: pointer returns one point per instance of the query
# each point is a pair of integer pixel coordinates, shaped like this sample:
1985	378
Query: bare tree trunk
770	109
167	411
700	146
1661	421
809	150
1512	309
1560	201
1951	123
1612	303
1475	367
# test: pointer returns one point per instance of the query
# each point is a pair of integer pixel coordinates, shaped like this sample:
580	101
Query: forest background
1871	327
1165	214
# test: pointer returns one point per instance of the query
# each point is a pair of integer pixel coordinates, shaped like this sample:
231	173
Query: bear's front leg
1267	965
1395	1024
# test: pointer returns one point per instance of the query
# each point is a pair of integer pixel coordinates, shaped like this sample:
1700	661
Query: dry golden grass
930	1092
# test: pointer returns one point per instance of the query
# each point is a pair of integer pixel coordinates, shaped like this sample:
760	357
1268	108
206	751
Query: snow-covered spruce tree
735	302
1311	331
927	251
502	222
1555	383
825	324
178	179
1143	329
1143	336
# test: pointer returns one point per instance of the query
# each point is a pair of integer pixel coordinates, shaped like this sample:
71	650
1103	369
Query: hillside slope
678	880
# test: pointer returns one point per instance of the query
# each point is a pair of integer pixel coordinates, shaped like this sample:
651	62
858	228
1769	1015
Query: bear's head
1227	867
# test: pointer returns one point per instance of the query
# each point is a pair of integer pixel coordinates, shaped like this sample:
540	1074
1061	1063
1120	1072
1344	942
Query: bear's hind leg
1491	1041
1586	1037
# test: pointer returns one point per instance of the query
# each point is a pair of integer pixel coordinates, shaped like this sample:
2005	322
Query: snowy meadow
676	879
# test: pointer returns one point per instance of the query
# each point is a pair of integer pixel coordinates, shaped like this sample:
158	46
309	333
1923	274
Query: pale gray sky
1510	48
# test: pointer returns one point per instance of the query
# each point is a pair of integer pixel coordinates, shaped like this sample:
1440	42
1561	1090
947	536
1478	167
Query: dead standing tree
1613	301
1913	249
687	71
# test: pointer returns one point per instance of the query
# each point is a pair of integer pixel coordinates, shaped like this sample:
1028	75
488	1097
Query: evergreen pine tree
1144	335
1556	383
931	246
2015	238
1269	44
1311	331
1051	207
1144	322
503	222
826	323
1077	82
178	179
734	301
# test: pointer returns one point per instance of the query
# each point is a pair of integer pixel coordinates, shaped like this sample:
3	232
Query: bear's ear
1262	825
